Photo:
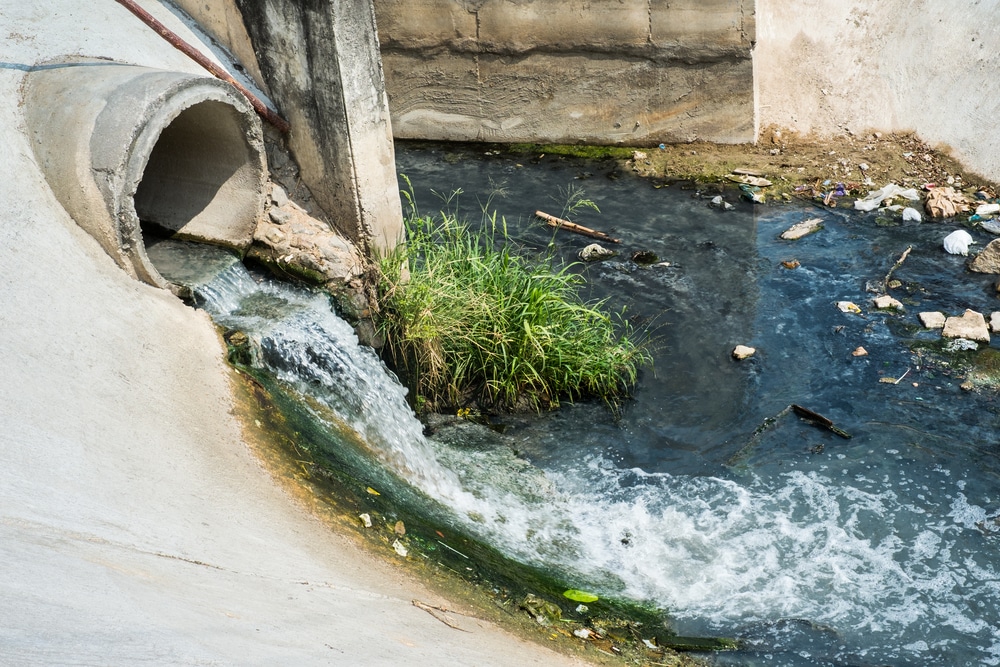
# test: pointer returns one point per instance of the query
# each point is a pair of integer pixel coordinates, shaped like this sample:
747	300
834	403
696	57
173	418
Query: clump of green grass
468	319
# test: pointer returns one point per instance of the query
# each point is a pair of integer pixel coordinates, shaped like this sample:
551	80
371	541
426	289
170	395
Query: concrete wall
319	63
823	65
624	71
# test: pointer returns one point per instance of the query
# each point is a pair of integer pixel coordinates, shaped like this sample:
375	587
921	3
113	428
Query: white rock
995	322
800	229
366	519
860	352
743	352
886	301
958	242
932	320
971	325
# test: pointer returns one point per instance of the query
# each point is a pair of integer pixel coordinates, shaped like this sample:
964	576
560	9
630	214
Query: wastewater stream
704	495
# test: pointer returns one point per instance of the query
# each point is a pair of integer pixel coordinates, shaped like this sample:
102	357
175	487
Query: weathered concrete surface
122	143
568	71
135	525
925	66
321	62
223	21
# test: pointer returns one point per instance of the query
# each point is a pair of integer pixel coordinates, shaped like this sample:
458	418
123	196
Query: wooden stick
559	223
899	263
433	611
166	33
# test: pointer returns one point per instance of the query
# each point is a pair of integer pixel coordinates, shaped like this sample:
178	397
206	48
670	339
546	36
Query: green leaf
580	596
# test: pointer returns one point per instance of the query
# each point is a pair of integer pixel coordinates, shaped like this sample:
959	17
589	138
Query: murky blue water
880	549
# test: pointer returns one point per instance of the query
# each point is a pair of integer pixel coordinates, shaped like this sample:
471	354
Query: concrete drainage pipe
120	144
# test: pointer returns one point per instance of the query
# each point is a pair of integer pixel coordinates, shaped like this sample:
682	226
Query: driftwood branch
434	611
194	54
899	263
559	223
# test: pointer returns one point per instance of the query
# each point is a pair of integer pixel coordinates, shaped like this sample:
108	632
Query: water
816	550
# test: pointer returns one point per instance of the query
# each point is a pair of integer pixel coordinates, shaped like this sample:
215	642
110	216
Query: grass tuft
468	319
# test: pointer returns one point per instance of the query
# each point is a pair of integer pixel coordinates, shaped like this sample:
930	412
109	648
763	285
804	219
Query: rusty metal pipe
166	33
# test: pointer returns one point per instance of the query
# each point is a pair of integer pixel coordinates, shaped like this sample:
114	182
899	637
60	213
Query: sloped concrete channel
124	146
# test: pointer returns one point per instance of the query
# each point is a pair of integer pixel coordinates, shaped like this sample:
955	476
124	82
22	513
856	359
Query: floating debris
848	307
800	229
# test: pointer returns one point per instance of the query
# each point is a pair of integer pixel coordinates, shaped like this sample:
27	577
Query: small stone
741	352
791	264
971	326
399	528
886	302
279	216
366	519
860	352
594	252
932	320
967	386
995	322
848	307
274	236
801	229
278	196
638	156
988	261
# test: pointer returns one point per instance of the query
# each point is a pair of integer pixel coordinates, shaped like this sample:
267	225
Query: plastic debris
859	352
945	202
398	547
751	193
594	252
961	345
890	191
580	596
366	519
848	307
987	209
583	633
958	242
991	226
911	215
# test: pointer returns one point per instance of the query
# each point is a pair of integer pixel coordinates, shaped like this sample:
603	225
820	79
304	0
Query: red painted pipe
166	33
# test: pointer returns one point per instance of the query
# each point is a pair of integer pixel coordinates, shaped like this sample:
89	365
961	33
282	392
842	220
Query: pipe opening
202	179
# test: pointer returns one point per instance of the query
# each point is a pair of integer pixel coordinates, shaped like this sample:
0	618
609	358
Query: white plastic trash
958	242
911	215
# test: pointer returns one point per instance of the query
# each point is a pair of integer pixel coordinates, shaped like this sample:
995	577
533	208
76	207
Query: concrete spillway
136	526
